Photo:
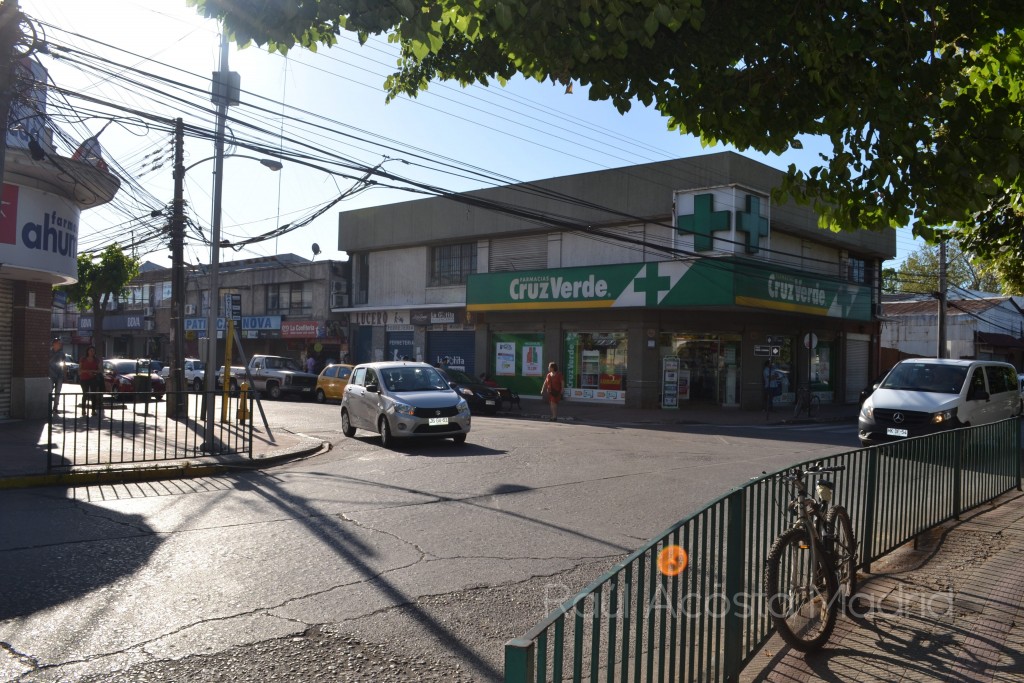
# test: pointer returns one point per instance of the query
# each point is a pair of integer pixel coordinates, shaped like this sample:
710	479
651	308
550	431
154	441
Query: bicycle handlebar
819	468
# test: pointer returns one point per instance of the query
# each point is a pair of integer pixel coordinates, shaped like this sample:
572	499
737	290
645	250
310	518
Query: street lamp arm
272	164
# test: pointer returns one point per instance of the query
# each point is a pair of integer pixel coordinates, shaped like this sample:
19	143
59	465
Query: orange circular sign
672	560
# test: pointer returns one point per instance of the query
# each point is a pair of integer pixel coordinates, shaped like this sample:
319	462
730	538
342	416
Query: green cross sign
753	223
652	284
703	222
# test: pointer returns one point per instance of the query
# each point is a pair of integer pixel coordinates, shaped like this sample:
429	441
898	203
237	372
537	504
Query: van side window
977	381
996	379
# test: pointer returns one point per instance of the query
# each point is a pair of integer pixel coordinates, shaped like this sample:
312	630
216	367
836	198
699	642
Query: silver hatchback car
400	400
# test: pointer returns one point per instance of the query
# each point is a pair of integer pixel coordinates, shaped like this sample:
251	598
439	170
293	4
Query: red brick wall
32	333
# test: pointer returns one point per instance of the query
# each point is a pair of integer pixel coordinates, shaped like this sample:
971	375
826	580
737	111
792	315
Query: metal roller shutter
518	253
459	348
400	345
6	346
858	347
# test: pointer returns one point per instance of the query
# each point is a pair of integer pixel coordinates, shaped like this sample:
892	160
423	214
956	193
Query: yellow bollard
243	403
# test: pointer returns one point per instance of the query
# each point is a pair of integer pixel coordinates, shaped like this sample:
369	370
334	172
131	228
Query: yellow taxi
330	385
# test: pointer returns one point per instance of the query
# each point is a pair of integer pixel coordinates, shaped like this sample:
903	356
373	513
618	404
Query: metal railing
645	622
132	430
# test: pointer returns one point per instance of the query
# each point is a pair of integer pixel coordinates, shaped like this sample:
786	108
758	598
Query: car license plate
892	431
433	421
489	402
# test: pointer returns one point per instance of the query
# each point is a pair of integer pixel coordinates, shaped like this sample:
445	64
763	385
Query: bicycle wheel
844	552
801	599
813	407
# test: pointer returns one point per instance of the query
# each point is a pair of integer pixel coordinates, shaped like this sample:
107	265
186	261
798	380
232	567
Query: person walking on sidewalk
91	380
552	389
768	390
56	364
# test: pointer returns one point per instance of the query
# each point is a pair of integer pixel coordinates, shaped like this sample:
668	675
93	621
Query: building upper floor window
290	298
451	264
857	270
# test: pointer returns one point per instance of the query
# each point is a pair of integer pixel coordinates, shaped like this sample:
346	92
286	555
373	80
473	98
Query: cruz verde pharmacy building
659	286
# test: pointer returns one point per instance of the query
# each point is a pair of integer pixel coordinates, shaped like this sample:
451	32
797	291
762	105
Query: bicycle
805	400
812	567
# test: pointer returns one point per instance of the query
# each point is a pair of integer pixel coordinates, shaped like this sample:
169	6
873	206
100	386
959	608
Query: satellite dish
316	249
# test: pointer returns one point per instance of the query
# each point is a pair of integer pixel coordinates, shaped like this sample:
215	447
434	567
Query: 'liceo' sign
667	284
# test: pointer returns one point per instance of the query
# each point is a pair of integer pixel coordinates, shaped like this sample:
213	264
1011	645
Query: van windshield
938	379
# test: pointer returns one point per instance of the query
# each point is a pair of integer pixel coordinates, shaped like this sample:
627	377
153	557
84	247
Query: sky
327	107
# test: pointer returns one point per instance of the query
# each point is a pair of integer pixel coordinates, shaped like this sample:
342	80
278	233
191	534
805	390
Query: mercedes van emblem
898	418
437	412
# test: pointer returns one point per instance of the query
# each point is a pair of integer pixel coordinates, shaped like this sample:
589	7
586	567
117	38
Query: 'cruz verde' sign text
665	284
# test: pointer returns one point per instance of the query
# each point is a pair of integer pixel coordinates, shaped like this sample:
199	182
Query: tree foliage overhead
921	100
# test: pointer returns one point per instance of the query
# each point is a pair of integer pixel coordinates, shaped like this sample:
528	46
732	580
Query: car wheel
274	391
321	397
197	385
459	438
346	425
386	440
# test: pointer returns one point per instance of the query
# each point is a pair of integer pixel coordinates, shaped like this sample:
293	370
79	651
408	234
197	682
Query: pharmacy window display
708	367
595	366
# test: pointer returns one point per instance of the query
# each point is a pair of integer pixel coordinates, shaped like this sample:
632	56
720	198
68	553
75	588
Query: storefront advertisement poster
505	359
533	360
684	385
572	341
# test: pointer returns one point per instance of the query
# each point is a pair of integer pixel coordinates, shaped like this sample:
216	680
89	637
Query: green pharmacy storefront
674	334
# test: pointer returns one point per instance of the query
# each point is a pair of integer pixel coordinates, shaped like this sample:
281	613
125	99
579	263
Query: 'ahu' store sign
39	232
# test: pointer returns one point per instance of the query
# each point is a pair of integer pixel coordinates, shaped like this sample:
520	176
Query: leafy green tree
920	100
919	272
100	277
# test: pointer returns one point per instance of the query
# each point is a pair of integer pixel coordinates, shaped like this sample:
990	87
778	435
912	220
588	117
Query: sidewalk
950	610
24	456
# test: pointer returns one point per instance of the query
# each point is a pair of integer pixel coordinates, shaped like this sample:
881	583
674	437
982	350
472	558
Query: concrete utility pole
223	92
176	407
941	352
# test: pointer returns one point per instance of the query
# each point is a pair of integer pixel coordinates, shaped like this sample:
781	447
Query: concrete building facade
285	309
978	326
661	285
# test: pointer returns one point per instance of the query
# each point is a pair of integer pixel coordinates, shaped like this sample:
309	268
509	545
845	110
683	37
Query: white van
927	395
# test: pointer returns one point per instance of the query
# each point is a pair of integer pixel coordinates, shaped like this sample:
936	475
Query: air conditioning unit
190	309
339	300
147	311
339	286
149	324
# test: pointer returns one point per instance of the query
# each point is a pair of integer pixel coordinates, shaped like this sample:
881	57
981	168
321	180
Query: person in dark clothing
56	364
91	380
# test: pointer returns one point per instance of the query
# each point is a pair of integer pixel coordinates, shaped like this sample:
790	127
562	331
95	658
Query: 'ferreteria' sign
669	284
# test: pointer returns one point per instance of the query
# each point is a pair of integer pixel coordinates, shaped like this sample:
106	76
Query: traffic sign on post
233	307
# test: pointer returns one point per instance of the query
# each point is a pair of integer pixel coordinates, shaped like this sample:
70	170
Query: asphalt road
360	564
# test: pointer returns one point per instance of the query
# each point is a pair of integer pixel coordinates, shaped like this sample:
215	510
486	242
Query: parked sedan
331	383
132	378
401	400
480	397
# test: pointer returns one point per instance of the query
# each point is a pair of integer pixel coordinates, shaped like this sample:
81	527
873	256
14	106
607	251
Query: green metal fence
640	623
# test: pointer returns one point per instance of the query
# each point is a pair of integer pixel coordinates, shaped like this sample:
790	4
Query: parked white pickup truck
194	373
275	376
237	376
